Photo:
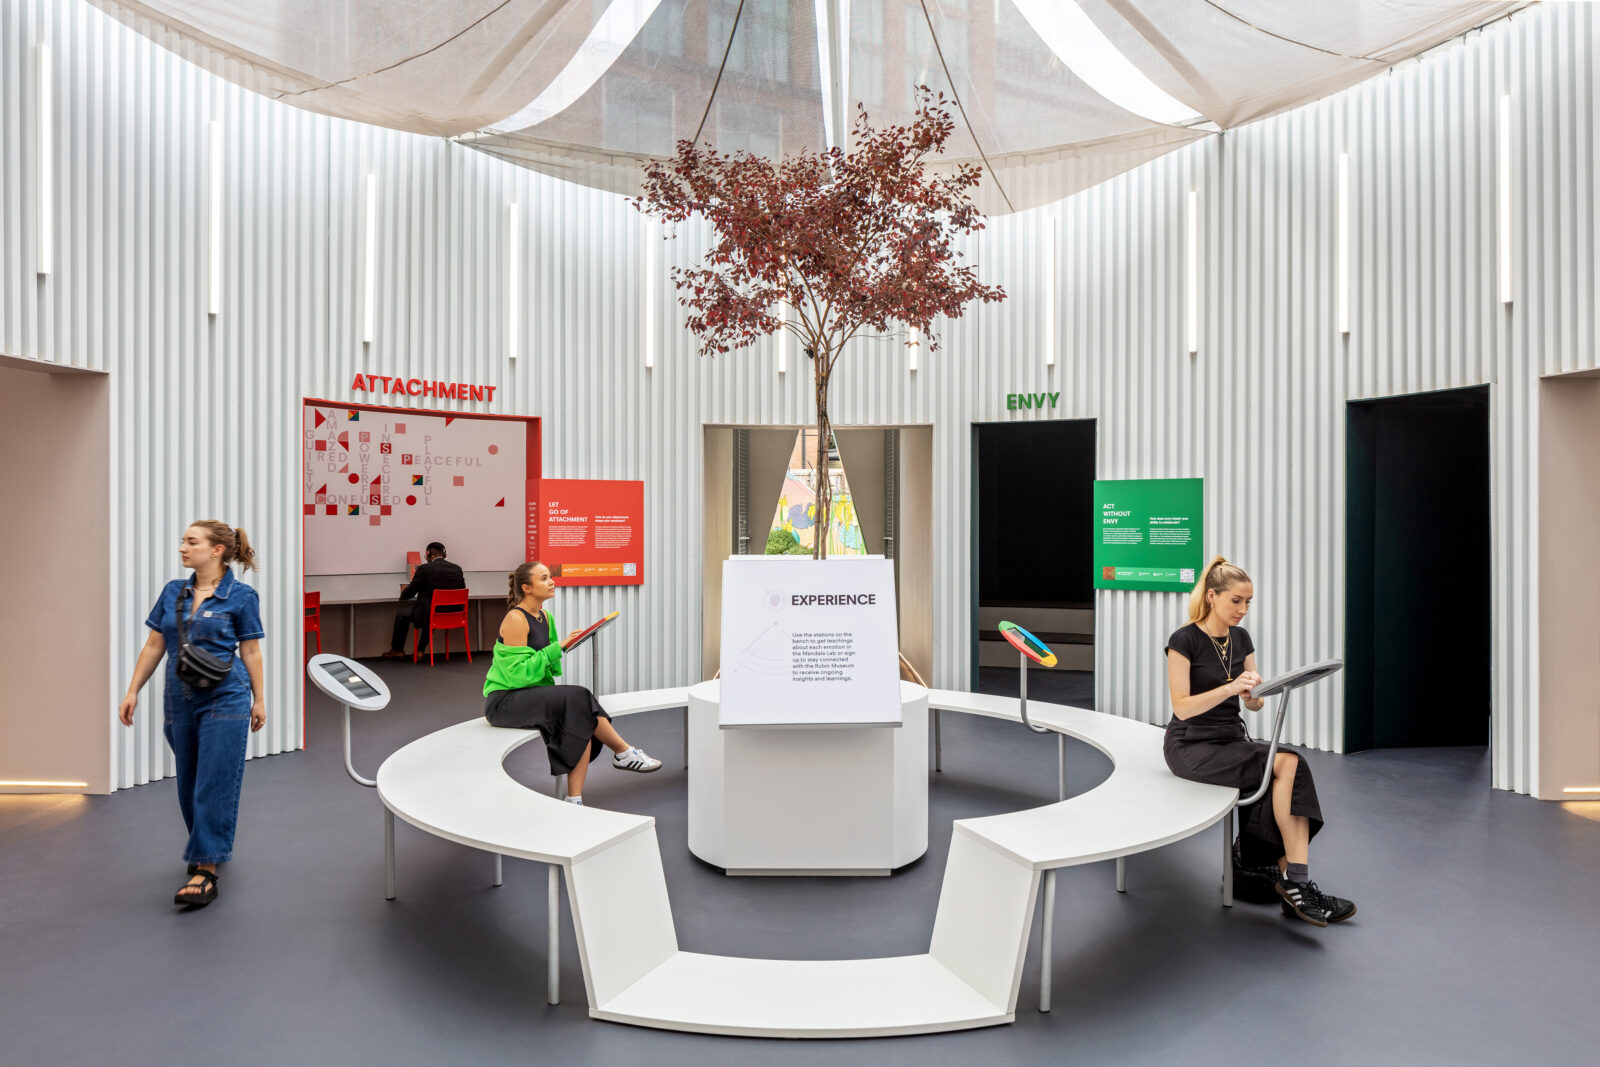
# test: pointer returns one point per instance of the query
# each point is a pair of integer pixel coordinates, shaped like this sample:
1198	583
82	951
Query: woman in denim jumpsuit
207	730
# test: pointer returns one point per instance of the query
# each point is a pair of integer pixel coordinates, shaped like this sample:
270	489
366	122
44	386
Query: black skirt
565	715
1223	754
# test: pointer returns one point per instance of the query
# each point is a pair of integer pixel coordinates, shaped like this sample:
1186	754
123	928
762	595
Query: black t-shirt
1205	665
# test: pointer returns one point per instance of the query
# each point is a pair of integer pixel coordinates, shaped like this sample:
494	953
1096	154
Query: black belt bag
197	668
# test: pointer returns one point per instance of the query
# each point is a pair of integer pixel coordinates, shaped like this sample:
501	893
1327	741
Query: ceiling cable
722	67
978	144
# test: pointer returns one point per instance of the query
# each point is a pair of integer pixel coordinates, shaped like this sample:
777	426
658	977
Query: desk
356	591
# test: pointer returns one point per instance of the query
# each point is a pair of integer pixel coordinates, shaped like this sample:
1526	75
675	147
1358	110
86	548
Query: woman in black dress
1211	665
521	693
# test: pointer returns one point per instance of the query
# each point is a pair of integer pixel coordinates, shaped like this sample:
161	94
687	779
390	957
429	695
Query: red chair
448	612
314	617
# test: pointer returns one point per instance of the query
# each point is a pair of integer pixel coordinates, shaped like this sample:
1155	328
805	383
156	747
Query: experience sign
809	642
1147	533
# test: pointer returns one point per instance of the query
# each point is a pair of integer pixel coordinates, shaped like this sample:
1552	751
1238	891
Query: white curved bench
452	784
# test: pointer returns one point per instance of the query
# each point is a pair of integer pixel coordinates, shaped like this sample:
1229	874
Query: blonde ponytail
1218	575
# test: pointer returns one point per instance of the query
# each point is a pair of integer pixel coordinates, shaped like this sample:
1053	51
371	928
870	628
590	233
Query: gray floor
1478	938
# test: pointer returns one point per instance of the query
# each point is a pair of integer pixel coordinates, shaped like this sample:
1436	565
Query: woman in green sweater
521	691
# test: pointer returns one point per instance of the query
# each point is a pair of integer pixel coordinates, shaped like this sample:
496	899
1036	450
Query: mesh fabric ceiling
585	89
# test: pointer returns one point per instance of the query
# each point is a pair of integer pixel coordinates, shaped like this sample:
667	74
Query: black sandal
207	887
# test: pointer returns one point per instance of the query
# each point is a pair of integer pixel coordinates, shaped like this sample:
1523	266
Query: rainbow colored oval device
1028	644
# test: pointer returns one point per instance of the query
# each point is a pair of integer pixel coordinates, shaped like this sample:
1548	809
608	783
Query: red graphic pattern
370	470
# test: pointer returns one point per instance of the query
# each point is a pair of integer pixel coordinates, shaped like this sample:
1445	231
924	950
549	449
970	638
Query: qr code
630	569
1186	575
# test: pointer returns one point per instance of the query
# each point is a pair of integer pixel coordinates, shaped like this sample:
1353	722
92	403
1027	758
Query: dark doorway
1417	567
1033	533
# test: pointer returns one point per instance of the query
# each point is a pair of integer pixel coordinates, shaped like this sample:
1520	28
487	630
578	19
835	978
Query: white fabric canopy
425	66
584	89
1235	61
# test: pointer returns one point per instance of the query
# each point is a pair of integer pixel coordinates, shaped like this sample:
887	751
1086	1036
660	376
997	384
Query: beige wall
1569	586
770	452
861	453
716	540
914	550
54	453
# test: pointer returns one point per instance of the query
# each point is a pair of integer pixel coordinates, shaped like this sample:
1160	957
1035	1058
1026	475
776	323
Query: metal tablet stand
1023	657
330	673
1281	686
1061	738
593	641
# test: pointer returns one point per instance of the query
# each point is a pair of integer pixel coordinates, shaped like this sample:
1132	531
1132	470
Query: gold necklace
1221	648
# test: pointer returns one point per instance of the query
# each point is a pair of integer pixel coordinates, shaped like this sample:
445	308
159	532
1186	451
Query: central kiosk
808	756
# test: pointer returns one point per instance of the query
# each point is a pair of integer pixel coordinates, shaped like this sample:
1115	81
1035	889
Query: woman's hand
1242	685
258	716
125	709
565	641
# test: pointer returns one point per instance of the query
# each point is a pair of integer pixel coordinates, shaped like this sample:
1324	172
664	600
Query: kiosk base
816	801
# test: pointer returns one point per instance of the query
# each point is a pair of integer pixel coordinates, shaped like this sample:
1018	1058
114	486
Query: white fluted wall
206	411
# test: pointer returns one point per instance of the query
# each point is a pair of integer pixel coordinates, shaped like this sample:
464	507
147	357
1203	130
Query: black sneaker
1338	909
1302	900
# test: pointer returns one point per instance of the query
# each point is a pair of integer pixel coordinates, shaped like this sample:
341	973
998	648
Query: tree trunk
824	485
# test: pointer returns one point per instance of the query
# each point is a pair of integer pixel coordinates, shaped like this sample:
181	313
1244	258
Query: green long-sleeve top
521	666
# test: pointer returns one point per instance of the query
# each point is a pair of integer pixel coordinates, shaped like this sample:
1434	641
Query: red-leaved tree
825	245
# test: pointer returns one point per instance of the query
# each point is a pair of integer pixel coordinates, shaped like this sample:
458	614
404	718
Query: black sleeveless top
538	629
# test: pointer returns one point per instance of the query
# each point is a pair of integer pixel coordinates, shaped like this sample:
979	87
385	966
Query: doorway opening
55	435
757	500
1418	644
378	485
1569	588
1033	553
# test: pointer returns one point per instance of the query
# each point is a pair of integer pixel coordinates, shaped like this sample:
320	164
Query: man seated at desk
417	599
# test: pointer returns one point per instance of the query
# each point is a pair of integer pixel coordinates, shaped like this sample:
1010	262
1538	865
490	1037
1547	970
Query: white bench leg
553	934
388	854
553	937
1122	874
499	871
1046	940
686	737
1227	860
938	743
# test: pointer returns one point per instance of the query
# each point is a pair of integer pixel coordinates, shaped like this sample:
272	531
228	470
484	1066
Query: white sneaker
635	759
575	800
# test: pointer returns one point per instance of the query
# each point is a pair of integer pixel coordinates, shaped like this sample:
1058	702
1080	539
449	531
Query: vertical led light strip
1049	274
214	222
369	308
914	349
1192	272
46	134
783	340
1343	243
1503	171
649	325
513	282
